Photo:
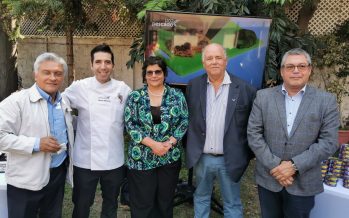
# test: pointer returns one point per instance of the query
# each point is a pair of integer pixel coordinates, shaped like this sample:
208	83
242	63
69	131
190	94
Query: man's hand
49	144
284	173
286	182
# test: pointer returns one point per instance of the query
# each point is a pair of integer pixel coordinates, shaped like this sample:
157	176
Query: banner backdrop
180	37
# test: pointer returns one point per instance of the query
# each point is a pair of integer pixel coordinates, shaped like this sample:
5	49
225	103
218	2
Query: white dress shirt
99	143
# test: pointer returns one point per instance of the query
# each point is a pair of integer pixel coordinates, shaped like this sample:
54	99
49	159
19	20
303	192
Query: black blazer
237	153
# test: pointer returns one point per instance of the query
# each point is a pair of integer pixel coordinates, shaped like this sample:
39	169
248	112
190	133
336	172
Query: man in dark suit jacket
291	129
219	106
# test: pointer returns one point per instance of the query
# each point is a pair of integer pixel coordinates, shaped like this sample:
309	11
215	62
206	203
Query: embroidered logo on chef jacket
104	99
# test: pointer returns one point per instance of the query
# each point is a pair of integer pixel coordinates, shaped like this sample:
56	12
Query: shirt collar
47	97
284	91
99	84
226	79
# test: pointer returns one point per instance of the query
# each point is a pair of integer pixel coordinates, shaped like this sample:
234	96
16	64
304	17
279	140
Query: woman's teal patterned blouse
139	124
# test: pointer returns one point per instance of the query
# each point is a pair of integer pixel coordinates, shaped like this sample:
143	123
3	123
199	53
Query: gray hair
214	44
49	56
296	51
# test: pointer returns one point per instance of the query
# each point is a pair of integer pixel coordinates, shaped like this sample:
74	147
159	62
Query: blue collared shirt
292	104
58	128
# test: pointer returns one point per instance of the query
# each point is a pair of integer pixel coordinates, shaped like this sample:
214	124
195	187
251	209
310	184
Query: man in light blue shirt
292	128
36	130
292	104
58	129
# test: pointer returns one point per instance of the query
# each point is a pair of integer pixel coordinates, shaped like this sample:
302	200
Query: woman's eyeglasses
151	72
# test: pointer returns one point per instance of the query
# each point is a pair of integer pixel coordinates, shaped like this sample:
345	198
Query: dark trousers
152	191
47	202
284	205
85	184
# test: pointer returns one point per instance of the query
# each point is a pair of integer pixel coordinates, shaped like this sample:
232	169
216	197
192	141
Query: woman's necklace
156	95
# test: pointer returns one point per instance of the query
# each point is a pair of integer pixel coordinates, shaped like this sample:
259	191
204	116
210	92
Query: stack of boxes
334	168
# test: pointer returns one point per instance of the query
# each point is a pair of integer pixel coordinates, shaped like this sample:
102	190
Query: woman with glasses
156	119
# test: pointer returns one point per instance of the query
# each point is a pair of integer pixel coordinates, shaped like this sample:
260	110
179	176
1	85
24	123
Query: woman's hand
163	147
170	142
160	148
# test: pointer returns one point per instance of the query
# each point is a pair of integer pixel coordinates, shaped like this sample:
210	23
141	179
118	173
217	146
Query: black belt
215	155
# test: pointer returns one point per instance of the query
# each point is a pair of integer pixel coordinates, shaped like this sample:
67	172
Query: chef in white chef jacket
99	146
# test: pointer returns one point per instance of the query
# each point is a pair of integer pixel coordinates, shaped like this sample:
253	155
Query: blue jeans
207	170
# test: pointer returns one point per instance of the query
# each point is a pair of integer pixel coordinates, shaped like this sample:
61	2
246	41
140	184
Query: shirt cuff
36	145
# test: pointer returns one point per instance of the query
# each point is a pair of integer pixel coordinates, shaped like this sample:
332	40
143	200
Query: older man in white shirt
99	146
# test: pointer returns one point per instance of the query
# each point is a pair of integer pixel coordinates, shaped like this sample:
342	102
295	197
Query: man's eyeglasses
291	68
151	72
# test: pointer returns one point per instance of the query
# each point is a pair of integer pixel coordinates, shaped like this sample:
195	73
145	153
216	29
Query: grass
249	199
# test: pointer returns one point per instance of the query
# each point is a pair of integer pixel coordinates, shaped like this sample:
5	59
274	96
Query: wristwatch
294	166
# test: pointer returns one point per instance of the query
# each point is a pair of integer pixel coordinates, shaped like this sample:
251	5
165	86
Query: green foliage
333	51
63	15
281	2
134	6
330	51
52	10
157	5
136	51
332	56
226	7
284	35
5	22
26	8
342	31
